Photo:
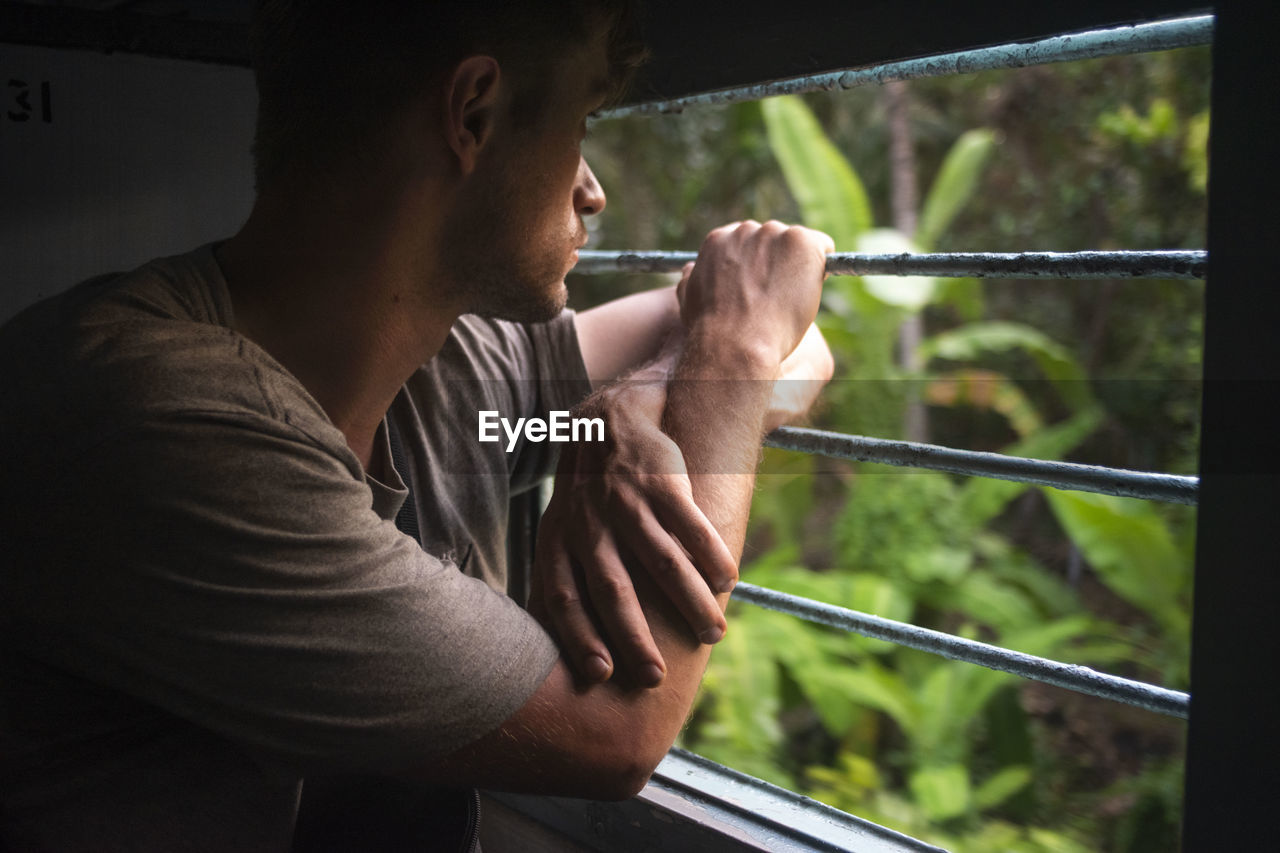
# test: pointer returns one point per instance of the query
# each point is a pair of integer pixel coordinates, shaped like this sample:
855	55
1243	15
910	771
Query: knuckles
666	565
562	599
609	588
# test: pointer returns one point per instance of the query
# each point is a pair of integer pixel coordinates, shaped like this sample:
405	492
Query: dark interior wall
697	46
108	161
713	44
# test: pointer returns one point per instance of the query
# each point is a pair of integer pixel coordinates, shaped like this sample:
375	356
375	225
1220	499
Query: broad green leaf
951	699
953	187
909	292
940	722
1000	787
993	602
970	342
941	792
827	189
873	686
1131	549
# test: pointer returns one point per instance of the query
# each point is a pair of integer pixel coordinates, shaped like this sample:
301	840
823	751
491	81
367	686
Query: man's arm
746	307
621	335
595	614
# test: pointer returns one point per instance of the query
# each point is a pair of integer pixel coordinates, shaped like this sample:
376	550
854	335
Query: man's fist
756	283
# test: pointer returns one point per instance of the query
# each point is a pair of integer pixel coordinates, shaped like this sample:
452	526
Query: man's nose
588	195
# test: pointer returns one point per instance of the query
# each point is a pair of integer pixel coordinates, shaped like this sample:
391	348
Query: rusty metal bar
1180	264
1117	41
1171	488
1082	679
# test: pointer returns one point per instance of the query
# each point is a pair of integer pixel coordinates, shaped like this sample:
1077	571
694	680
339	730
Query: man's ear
471	98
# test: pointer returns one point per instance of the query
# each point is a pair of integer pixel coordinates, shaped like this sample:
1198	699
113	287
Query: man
207	600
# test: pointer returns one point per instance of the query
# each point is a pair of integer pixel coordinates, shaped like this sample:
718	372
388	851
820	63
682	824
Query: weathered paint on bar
1071	676
1174	264
1117	41
1171	488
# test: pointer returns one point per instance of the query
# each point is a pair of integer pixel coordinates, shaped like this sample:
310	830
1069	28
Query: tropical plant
924	744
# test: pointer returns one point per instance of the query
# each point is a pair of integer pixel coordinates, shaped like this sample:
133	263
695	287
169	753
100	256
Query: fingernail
651	674
728	585
596	668
711	636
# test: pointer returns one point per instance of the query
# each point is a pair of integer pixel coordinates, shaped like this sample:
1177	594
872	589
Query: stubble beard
492	270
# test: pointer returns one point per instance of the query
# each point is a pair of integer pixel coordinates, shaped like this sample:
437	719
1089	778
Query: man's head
330	73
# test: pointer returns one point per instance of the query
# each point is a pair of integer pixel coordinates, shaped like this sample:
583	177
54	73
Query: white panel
109	160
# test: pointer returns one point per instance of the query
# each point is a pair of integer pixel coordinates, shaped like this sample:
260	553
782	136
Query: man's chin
527	307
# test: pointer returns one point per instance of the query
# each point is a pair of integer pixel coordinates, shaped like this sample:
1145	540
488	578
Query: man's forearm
719	397
716	405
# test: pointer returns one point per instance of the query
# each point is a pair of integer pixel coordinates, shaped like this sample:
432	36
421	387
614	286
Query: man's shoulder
152	343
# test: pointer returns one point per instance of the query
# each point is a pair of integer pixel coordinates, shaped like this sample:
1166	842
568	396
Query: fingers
667	564
580	642
699	537
682	286
595	609
613	599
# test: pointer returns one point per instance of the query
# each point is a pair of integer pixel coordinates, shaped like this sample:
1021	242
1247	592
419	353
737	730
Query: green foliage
739	725
829	192
974	340
1134	553
1103	154
955	185
934	747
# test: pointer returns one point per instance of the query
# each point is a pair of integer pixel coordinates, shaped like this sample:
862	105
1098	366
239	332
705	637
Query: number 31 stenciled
19	106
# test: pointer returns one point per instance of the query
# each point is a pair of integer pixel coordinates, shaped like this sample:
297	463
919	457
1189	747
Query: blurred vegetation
1099	154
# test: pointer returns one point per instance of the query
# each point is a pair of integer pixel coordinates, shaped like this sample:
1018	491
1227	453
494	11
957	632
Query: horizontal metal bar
1160	35
1071	676
1188	264
1171	488
775	818
692	803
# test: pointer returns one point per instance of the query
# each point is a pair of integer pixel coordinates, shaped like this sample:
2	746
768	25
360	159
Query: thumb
684	281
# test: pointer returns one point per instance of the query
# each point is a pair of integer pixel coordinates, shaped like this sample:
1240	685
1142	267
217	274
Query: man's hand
756	284
803	373
627	499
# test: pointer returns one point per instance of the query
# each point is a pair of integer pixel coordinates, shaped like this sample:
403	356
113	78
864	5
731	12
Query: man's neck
340	294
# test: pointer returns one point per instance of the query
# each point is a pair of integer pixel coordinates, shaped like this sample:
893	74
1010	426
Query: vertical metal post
1234	741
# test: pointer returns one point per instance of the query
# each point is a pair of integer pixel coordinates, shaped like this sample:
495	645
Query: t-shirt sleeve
227	568
562	383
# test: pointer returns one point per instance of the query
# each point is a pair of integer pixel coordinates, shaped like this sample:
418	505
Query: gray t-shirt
203	597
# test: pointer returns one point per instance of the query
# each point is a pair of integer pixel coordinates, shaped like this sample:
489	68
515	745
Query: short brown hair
329	72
